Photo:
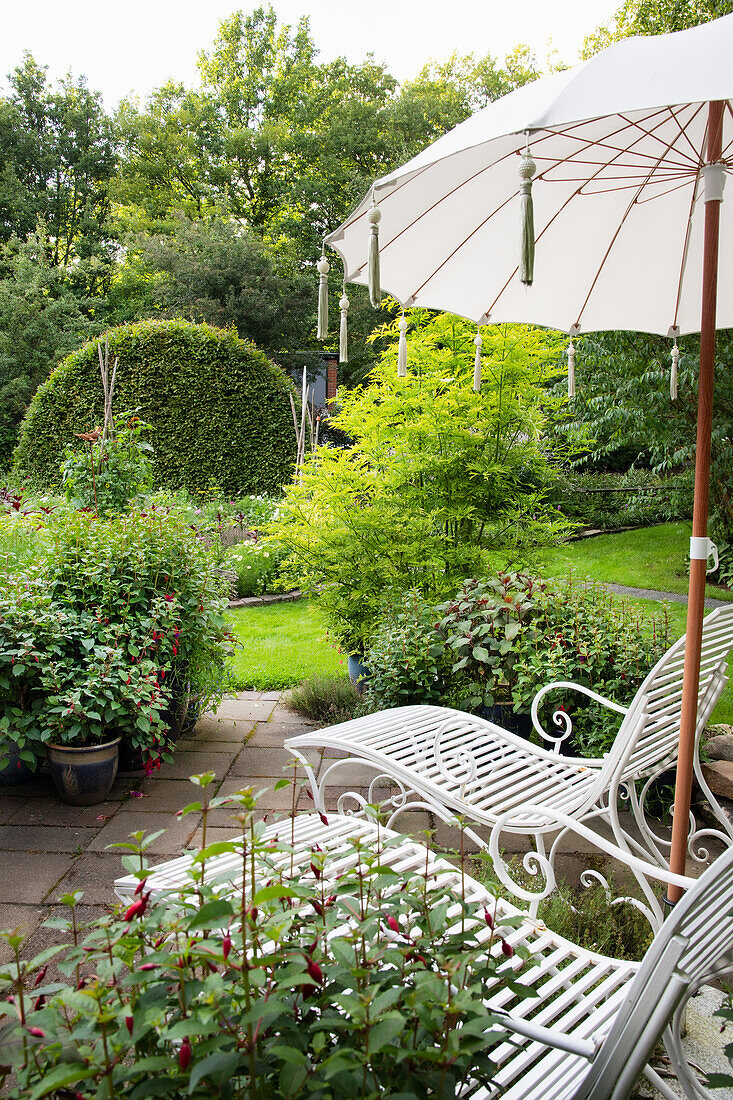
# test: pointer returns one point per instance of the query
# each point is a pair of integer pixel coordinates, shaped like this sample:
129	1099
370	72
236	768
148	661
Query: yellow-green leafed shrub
219	408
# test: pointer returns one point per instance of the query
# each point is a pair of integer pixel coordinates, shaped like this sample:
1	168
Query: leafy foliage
218	406
406	658
325	699
627	403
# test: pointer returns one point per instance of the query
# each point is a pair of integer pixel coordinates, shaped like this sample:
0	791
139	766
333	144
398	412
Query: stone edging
261	601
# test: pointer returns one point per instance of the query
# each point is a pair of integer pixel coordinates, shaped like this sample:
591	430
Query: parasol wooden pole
698	566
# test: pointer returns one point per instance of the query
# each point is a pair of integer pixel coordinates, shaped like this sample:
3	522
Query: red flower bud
392	924
136	910
314	971
129	1023
507	949
488	918
36	1033
226	946
40	976
140	886
40	1002
323	818
184	1055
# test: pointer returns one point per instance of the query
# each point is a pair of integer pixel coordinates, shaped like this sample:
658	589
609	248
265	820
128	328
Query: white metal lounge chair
592	1024
453	763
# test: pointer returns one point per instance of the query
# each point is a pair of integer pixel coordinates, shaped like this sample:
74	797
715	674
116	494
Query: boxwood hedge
219	407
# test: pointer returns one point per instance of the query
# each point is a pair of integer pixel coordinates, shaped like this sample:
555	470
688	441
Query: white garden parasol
631	150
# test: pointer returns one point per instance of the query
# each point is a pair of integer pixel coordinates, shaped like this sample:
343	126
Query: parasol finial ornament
402	348
343	327
375	290
323	269
527	169
478	341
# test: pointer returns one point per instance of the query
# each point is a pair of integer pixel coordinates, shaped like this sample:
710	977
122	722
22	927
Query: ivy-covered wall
219	407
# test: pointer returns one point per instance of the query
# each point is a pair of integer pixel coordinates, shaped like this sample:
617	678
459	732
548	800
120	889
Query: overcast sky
126	46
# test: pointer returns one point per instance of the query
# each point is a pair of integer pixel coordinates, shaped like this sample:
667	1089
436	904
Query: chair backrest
649	733
695	943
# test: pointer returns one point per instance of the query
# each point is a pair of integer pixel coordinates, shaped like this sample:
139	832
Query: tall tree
654	17
57	154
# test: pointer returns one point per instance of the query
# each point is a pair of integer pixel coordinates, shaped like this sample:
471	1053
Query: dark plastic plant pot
16	770
506	717
359	673
84	776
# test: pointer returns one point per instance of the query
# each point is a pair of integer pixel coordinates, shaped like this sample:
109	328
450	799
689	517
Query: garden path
654	594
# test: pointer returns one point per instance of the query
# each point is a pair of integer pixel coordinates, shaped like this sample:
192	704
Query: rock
720	747
719	777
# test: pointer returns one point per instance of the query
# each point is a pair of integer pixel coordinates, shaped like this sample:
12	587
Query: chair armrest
561	718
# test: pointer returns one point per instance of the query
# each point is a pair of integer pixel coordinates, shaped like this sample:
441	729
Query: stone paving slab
211	758
94	873
263	761
51	812
44	838
29	880
212	730
178	831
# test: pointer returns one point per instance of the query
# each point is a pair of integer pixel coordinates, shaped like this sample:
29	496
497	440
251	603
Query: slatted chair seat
457	764
592	1022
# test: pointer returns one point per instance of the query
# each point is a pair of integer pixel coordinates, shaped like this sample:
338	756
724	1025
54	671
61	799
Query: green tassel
323	269
375	290
527	170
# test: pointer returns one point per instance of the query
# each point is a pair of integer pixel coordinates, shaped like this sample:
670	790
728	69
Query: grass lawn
284	643
281	645
649	557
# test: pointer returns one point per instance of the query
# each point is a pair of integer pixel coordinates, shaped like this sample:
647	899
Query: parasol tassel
323	269
375	291
673	374
527	170
402	349
571	369
478	341
343	327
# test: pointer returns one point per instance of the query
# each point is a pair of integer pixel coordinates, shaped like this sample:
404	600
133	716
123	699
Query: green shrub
325	699
441	482
635	498
407	659
584	634
219	408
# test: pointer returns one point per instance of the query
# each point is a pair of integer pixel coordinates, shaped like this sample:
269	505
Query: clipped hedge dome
219	408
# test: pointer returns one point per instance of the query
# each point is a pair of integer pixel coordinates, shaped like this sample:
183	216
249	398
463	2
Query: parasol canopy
620	145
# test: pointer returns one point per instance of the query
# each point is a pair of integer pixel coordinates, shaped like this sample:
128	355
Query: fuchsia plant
306	975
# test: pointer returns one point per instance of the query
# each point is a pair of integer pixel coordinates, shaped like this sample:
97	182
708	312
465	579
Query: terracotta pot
84	776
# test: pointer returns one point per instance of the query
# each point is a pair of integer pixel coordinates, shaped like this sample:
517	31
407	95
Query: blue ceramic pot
84	776
358	671
16	770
